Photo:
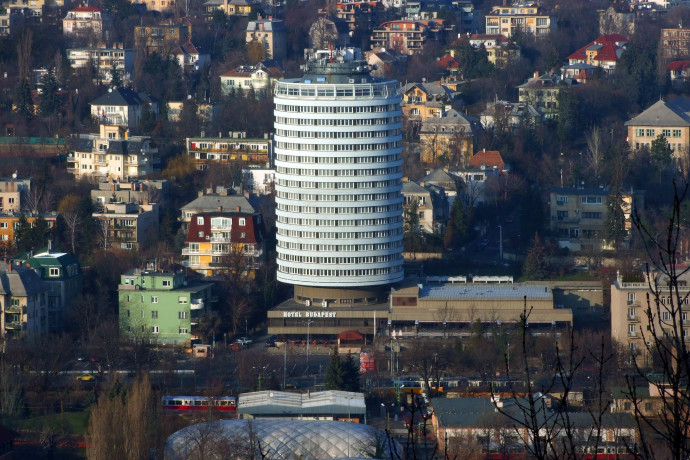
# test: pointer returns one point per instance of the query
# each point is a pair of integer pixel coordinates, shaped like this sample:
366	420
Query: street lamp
500	242
309	323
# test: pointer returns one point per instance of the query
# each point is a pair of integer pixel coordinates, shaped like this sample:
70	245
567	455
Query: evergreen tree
661	153
536	265
20	234
615	219
49	101
342	374
23	101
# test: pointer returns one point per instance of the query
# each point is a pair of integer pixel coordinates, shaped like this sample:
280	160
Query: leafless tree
73	222
595	153
666	339
104	233
24	53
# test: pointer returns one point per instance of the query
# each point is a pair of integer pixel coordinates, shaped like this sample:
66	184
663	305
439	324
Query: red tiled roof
608	49
198	233
488	158
678	65
448	62
89	9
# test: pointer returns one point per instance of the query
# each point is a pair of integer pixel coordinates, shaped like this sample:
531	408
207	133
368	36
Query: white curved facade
339	179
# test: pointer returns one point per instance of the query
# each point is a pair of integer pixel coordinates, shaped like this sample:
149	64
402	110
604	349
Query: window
154	299
193	247
560	199
632	329
154	329
167	283
182	299
666	132
154	314
182	315
651	132
184	330
631	313
666	316
639	132
54	271
3	224
590	200
631	297
200	221
242	222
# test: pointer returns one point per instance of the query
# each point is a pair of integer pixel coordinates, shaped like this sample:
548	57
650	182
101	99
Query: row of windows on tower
339	247
368	197
337	147
376	90
336	108
338	121
337	223
340	260
335	210
339	235
338	185
338	160
339	172
338	134
339	273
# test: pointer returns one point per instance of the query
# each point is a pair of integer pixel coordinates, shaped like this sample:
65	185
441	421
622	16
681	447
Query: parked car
271	341
85	378
244	341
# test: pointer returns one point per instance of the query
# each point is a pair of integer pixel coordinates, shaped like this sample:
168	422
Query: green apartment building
161	306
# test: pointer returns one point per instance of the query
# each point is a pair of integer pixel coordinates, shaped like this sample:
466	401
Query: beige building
85	21
11	190
675	44
272	34
578	215
257	78
431	205
630	324
112	154
23	304
232	7
128	225
669	119
206	151
104	61
530	20
448	139
541	92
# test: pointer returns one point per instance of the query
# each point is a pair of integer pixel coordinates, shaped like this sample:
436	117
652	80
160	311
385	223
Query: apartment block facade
529	20
162	306
206	151
128	225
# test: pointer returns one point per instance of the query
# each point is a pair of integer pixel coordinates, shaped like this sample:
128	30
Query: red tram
199	403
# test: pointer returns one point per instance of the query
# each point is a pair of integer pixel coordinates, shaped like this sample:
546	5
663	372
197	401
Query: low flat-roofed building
417	309
318	405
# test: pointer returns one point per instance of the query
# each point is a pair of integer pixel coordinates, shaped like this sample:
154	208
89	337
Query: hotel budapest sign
309	314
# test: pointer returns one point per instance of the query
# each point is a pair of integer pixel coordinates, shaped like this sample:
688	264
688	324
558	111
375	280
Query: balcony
220	239
13	309
197	305
633	318
13	325
633	334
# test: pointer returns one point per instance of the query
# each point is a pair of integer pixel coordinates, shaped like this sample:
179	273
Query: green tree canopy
342	374
536	265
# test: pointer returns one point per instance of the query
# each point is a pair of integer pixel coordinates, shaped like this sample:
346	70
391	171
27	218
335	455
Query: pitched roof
19	281
86	9
250	233
678	65
488	158
448	62
661	113
412	187
608	48
122	96
212	202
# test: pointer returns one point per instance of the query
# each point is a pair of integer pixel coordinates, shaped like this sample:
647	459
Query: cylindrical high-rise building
338	181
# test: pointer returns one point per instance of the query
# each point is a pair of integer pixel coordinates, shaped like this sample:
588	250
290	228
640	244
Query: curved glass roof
277	439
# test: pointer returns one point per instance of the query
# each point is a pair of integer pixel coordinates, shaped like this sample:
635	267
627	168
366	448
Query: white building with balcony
128	225
338	181
123	107
104	61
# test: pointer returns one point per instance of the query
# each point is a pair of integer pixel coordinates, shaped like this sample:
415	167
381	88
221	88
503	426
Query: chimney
220	209
238	209
536	74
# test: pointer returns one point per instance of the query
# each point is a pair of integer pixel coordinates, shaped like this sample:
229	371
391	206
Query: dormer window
54	271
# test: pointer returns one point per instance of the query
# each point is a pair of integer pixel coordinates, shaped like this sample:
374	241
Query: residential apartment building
104	61
207	112
482	167
541	91
603	52
499	49
86	22
619	18
258	78
190	58
675	44
134	191
232	7
504	116
162	306
112	154
128	225
630	324
426	100
156	5
205	151
669	119
578	215
11	221
62	275
360	15
528	19
219	200
11	191
430	203
164	37
10	22
23	303
123	107
272	34
219	242
409	36
449	138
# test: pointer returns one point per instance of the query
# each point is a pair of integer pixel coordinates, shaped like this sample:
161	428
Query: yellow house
426	100
231	7
448	139
669	119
